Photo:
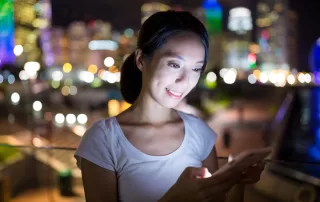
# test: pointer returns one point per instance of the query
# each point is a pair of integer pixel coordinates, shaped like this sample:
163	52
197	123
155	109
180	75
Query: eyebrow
174	55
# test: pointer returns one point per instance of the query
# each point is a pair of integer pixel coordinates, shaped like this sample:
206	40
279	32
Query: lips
174	94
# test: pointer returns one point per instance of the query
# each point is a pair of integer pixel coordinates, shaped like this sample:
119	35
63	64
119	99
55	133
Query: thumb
193	173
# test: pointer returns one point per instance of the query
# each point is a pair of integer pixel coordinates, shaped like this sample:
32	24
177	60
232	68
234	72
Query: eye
173	65
197	69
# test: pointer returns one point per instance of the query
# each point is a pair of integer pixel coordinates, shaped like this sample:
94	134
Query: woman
151	152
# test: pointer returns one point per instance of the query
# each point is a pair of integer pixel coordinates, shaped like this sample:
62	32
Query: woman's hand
252	174
193	185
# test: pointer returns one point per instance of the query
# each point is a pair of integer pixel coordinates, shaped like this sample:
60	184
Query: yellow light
67	67
256	73
93	69
113	107
124	106
65	90
100	73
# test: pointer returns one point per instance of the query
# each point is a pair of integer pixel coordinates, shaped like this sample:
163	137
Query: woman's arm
100	185
236	194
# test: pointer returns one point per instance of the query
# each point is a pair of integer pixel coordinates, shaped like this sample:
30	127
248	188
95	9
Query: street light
32	68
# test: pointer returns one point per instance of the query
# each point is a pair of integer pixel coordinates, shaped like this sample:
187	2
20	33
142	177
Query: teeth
174	93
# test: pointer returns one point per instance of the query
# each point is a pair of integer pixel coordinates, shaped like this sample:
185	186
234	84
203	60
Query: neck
149	111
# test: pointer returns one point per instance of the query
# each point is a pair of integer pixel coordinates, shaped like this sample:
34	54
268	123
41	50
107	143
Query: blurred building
292	39
7	32
237	40
272	34
148	9
27	29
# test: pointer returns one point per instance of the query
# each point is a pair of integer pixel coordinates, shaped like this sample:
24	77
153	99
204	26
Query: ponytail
131	79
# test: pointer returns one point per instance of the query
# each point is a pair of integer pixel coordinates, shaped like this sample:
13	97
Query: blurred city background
59	72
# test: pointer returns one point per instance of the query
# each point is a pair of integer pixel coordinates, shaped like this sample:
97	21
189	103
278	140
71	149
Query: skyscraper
272	34
27	27
148	9
6	32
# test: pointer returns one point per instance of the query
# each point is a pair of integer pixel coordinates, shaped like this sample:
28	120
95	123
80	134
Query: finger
218	178
192	172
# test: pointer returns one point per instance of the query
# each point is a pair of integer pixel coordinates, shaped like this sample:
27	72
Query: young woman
151	152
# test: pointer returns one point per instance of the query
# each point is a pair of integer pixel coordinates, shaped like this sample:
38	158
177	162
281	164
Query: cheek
194	79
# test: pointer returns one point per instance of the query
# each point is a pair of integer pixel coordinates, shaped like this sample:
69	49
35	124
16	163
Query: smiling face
174	69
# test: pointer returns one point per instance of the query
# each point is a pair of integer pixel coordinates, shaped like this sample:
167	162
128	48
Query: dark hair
153	34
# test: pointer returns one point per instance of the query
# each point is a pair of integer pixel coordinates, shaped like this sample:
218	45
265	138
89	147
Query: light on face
37	106
82	118
59	118
15	98
71	118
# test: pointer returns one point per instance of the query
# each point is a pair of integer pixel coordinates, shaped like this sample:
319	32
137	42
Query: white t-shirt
142	177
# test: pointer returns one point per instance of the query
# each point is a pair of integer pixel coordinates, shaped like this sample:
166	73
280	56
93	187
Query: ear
139	59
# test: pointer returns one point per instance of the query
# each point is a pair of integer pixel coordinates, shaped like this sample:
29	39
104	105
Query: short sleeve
208	138
94	147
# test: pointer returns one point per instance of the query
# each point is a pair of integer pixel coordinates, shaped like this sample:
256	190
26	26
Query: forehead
187	45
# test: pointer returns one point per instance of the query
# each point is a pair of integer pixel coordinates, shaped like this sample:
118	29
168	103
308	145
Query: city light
67	67
263	77
93	69
65	90
307	78
82	118
32	68
291	79
57	75
211	77
37	106
18	50
23	75
71	118
103	45
109	61
301	77
86	76
252	79
15	98
59	118
73	90
11	79
230	77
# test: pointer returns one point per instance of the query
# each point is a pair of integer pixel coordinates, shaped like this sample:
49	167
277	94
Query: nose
182	78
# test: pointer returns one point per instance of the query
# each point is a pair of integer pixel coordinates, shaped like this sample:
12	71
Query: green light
210	84
97	82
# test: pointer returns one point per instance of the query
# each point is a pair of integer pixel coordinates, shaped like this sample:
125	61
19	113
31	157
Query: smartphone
244	160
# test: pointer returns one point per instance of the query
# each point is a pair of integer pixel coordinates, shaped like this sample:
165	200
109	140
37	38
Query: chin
170	105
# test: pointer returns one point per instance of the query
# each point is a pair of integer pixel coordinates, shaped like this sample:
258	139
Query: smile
174	94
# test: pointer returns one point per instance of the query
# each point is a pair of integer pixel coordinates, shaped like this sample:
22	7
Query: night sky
126	13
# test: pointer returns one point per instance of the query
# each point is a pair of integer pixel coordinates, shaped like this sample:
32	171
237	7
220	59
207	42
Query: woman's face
174	69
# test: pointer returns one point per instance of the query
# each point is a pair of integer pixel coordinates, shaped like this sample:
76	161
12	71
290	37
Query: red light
252	58
265	34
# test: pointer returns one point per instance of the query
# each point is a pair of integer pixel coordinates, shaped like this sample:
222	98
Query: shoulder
98	144
201	134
